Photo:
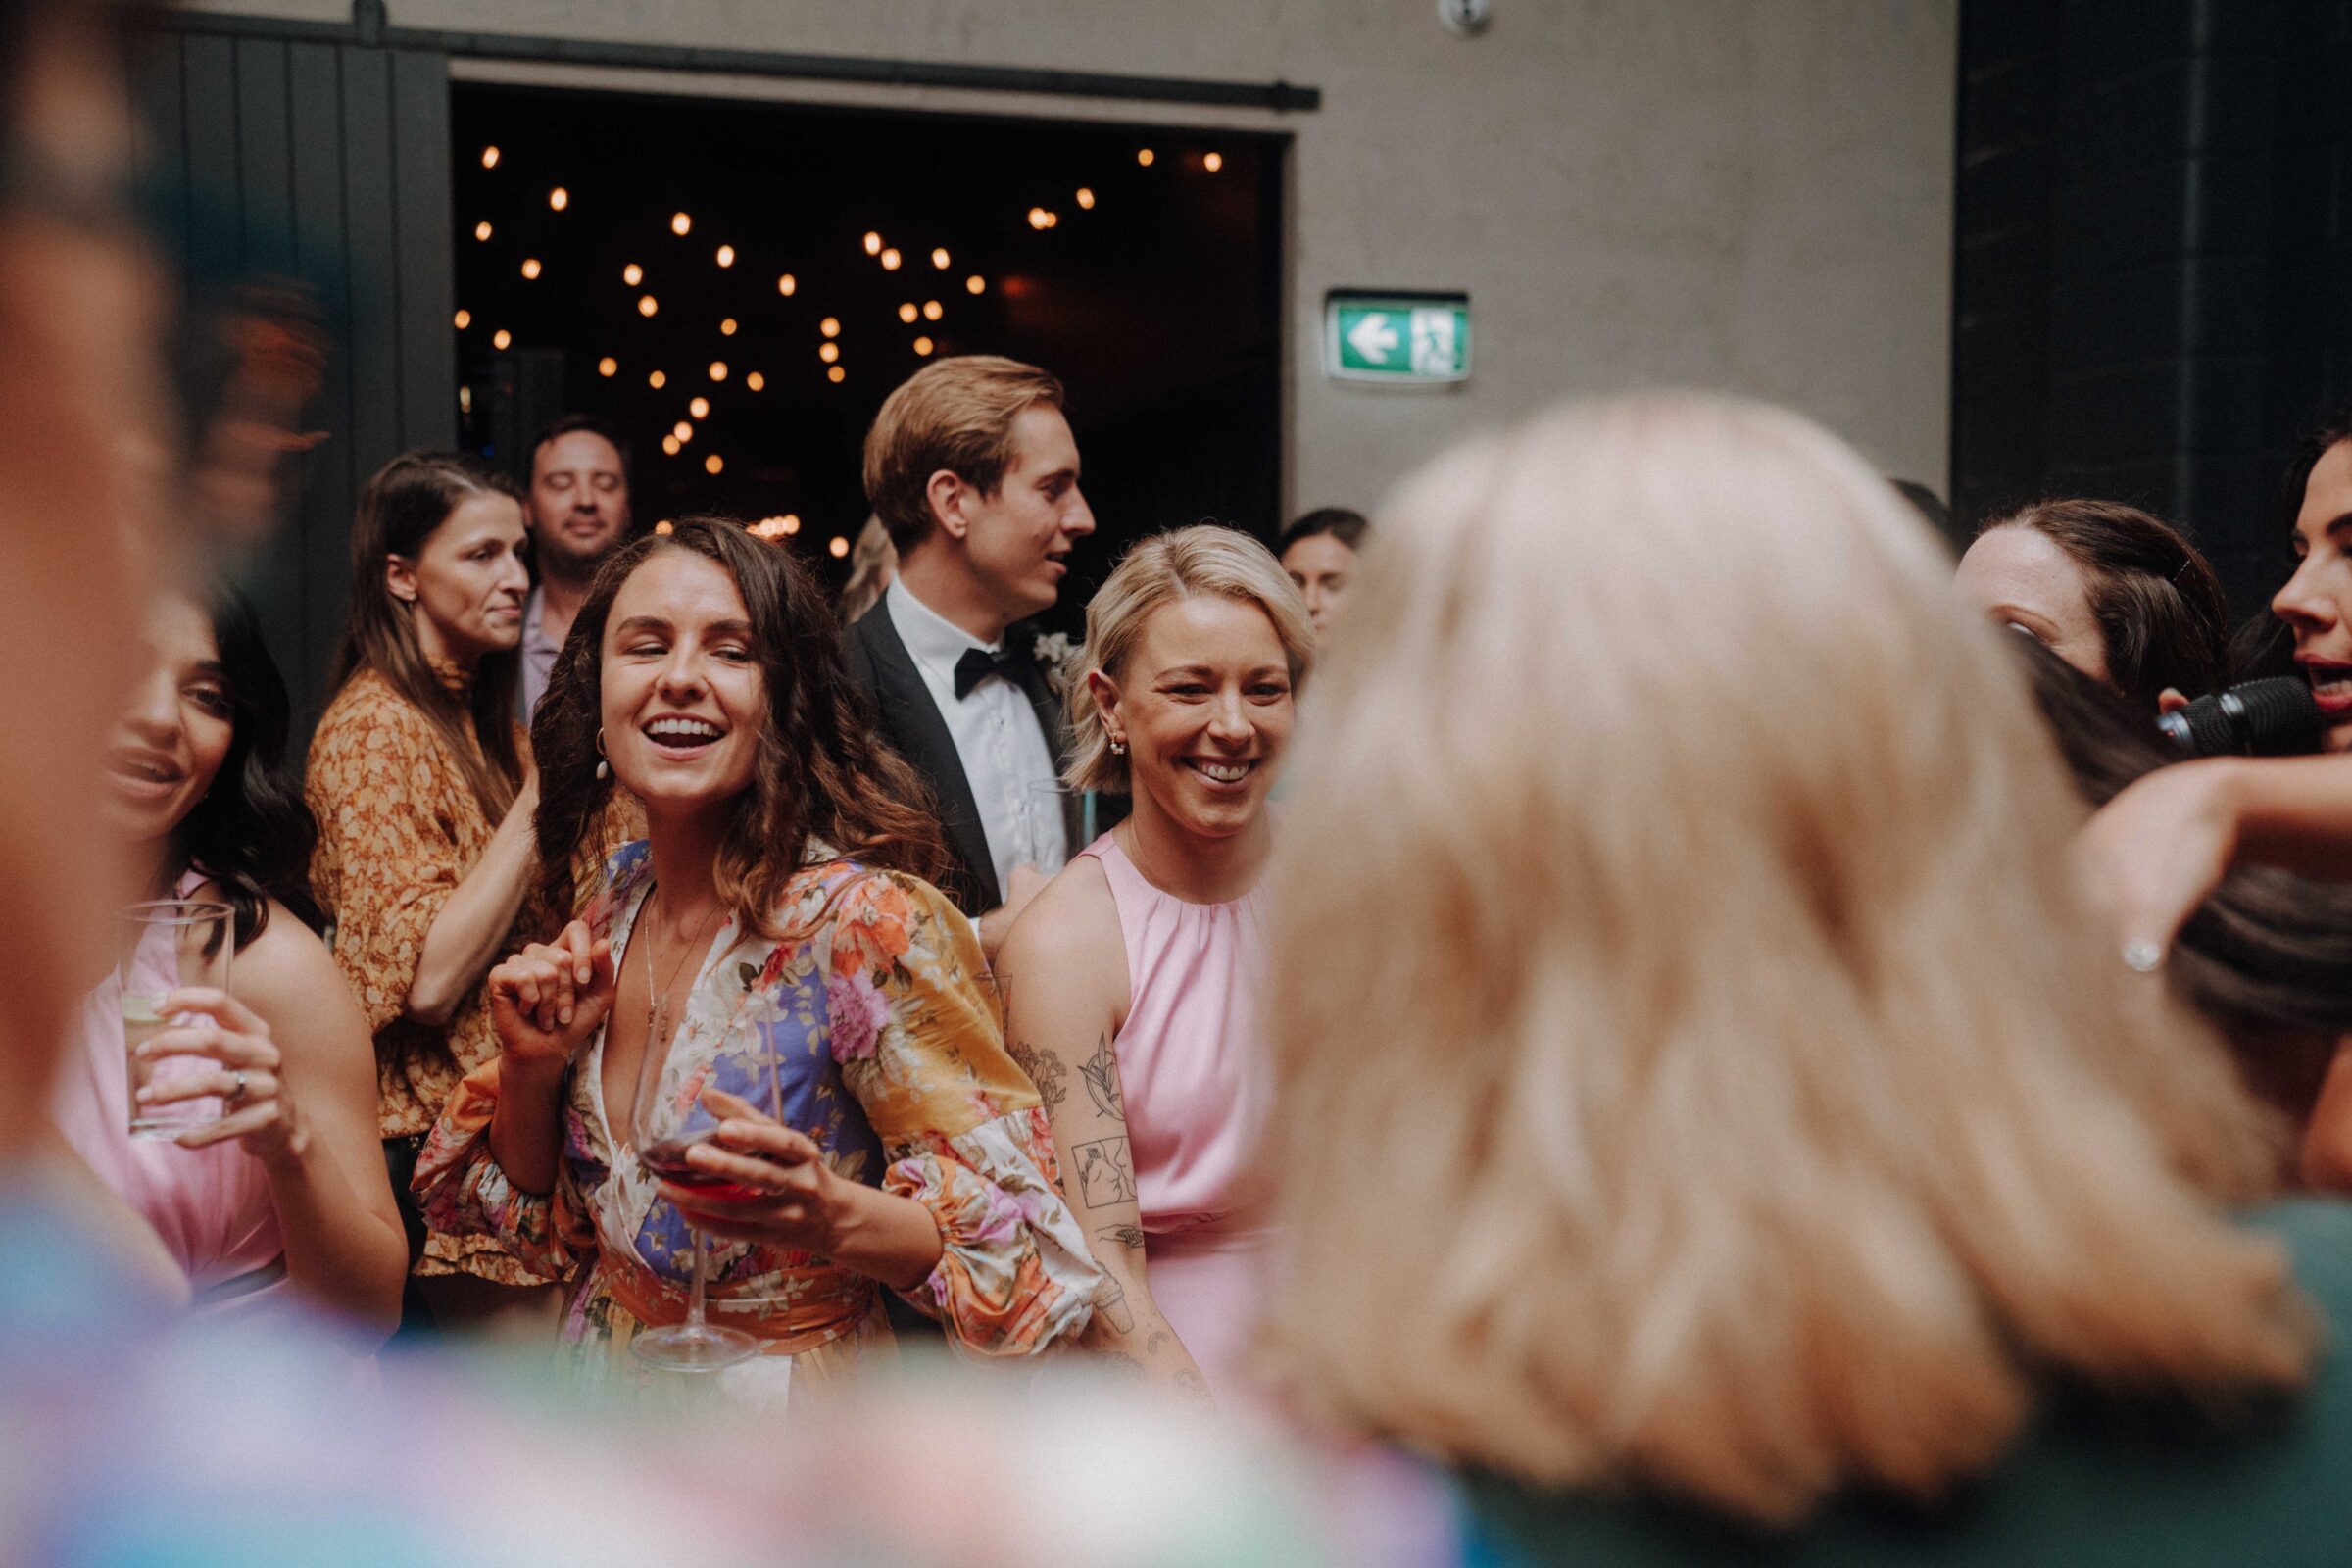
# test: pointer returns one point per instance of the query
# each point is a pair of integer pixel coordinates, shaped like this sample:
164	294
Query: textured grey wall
1746	194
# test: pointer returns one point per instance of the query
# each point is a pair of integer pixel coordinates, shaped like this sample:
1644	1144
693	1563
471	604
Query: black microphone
2275	716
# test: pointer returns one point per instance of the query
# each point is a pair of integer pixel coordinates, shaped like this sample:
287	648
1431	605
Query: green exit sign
1401	339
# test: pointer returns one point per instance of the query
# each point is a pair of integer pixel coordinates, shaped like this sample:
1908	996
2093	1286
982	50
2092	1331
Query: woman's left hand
249	1081
801	1205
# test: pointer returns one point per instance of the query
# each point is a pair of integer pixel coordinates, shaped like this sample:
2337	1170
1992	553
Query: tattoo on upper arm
1110	1299
1045	1070
1106	1172
1102	1070
1124	1235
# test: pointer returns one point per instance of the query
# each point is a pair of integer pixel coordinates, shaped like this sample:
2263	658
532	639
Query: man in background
578	511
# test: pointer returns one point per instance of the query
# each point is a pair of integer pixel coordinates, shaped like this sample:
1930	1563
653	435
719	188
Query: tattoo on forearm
1124	1235
1111	1302
1043	1070
1102	1070
1106	1172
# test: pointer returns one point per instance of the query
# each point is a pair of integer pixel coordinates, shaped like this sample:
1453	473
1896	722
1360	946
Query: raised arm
1064	975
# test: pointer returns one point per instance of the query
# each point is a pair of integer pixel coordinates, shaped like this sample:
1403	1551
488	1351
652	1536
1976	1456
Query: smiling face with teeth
169	743
1203	705
2317	601
684	699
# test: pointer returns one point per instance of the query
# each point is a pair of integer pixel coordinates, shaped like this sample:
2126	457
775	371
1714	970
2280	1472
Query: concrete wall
1744	194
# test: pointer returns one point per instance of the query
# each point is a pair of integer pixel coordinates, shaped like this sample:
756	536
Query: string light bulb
873	243
1213	162
839	548
718	369
530	267
933	309
791	523
647	305
756	382
726	328
922	347
890	261
788	285
608	366
714	463
682	430
663	526
975	284
1086	198
489	158
700	407
907	313
464	319
836	374
1143	156
680	223
632	274
502	338
656	380
726	256
559	198
830	327
939	258
481	231
670	445
828	351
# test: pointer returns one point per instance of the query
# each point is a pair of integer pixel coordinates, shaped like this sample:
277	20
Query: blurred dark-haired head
2315	606
1318	552
2117	593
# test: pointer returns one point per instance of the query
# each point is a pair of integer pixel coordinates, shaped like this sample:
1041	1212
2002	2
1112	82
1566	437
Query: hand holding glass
166	946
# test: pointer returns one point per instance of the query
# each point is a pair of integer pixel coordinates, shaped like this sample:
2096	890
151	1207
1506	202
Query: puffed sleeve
463	1190
373	780
915	1031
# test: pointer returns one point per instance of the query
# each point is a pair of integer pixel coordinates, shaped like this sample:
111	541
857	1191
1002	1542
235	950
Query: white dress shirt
1007	760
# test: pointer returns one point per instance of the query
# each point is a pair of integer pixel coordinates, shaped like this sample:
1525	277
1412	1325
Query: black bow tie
977	665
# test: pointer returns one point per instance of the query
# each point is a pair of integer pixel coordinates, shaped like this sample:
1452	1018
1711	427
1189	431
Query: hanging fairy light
502	338
836	374
830	327
1086	198
670	445
489	158
791	523
632	274
1213	162
700	407
530	267
933	309
890	261
608	366
714	463
656	380
481	231
788	285
828	351
974	284
663	526
718	369
939	258
464	319
1143	156
682	430
756	382
873	243
839	548
726	256
647	305
907	313
922	347
680	225
726	328
559	198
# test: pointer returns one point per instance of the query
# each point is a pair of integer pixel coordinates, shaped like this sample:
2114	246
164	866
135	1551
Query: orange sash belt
825	1316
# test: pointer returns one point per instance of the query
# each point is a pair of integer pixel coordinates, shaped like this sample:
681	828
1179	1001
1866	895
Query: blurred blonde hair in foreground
1704	1077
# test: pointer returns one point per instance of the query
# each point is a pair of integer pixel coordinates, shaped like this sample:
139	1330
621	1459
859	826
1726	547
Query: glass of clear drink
166	946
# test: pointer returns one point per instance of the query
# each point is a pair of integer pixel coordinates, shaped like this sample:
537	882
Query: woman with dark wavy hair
776	914
289	1186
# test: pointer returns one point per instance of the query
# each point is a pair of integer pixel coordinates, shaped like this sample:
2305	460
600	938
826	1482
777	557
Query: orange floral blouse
398	830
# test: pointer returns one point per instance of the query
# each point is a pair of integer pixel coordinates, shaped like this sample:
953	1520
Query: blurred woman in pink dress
287	1191
1132	984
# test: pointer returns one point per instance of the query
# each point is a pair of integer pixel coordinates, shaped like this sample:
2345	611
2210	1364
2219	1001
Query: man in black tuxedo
972	467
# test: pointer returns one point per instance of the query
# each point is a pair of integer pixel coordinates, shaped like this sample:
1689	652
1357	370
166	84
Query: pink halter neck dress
1196	1084
211	1207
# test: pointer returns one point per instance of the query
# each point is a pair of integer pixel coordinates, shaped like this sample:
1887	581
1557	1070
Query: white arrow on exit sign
1399	339
1374	338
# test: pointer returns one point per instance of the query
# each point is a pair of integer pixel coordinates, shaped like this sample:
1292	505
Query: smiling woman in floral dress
782	874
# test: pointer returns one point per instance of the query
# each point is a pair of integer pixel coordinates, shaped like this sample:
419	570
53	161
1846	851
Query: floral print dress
873	1014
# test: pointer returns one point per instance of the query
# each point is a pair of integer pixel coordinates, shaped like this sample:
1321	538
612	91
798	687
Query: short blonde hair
1181	563
954	413
1676	901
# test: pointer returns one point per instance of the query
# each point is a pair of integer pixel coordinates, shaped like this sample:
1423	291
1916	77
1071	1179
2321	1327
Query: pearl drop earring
603	770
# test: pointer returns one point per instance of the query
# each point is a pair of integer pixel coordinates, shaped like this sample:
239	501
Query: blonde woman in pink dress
285	1194
1132	983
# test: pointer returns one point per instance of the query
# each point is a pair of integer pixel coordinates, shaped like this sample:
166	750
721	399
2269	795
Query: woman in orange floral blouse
781	892
422	786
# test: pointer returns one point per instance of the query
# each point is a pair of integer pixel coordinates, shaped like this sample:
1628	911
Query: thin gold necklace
657	1003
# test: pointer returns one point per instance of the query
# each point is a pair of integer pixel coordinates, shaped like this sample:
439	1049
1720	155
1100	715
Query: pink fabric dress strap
1194	1077
211	1207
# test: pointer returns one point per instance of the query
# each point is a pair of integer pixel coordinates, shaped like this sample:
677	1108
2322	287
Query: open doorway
749	280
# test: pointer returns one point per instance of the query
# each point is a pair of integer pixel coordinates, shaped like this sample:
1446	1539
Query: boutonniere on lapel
1061	657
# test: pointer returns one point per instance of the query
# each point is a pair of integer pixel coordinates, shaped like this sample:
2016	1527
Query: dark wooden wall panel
428	414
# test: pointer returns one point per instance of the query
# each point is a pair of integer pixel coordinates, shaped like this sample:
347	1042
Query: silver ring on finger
236	1090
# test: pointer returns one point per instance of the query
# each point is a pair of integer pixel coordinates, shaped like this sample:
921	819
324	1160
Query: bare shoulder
287	976
1065	951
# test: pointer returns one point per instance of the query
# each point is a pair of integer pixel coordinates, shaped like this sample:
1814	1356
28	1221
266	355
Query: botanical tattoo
1106	1173
1189	1383
1045	1070
1101	1072
1110	1299
1160	1336
1124	1235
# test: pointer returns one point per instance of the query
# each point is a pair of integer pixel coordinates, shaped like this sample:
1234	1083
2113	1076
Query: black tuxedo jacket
910	722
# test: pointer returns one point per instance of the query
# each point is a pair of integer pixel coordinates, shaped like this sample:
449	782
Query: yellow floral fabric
398	830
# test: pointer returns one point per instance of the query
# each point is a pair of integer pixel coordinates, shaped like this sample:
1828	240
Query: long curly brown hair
822	773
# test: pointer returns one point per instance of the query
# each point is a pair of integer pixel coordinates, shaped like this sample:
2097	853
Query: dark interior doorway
1143	266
